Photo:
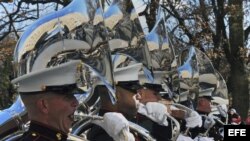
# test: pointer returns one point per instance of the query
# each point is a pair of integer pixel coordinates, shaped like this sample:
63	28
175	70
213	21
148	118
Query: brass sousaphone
76	32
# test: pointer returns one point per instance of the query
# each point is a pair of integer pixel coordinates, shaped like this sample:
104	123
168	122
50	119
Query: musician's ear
138	95
42	105
118	92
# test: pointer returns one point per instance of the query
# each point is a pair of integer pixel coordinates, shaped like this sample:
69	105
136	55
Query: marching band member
219	109
209	126
157	95
126	104
50	104
154	111
153	115
203	108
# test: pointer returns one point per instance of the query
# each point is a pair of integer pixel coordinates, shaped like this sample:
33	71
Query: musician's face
126	102
204	105
61	110
145	95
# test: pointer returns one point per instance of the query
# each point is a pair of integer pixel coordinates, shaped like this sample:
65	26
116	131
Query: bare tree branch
180	20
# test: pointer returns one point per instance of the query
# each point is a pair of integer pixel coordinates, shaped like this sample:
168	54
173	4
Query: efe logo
241	132
236	132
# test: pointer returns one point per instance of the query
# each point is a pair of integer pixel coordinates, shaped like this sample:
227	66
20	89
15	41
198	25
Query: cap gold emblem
59	136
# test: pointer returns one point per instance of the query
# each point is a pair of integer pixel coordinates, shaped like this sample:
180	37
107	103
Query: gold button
33	134
59	136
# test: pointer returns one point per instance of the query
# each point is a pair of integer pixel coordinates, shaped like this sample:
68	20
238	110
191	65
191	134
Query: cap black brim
132	86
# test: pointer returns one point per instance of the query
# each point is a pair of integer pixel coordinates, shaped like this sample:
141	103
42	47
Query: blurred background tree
15	16
220	28
6	72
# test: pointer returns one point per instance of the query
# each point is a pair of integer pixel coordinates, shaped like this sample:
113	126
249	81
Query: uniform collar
46	131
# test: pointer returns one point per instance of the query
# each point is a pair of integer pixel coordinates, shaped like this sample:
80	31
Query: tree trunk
238	82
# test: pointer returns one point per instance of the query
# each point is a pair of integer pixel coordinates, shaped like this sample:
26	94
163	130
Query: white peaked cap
128	73
206	92
220	100
208	78
62	75
183	96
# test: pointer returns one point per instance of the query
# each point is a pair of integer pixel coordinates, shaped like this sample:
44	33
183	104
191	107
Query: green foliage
6	89
6	73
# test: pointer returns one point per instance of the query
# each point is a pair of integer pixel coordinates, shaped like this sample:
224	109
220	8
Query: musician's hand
178	114
155	111
209	122
193	119
222	110
184	138
116	125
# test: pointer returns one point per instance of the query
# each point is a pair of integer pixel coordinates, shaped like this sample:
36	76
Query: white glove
155	111
193	120
116	125
209	122
184	138
222	110
200	138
